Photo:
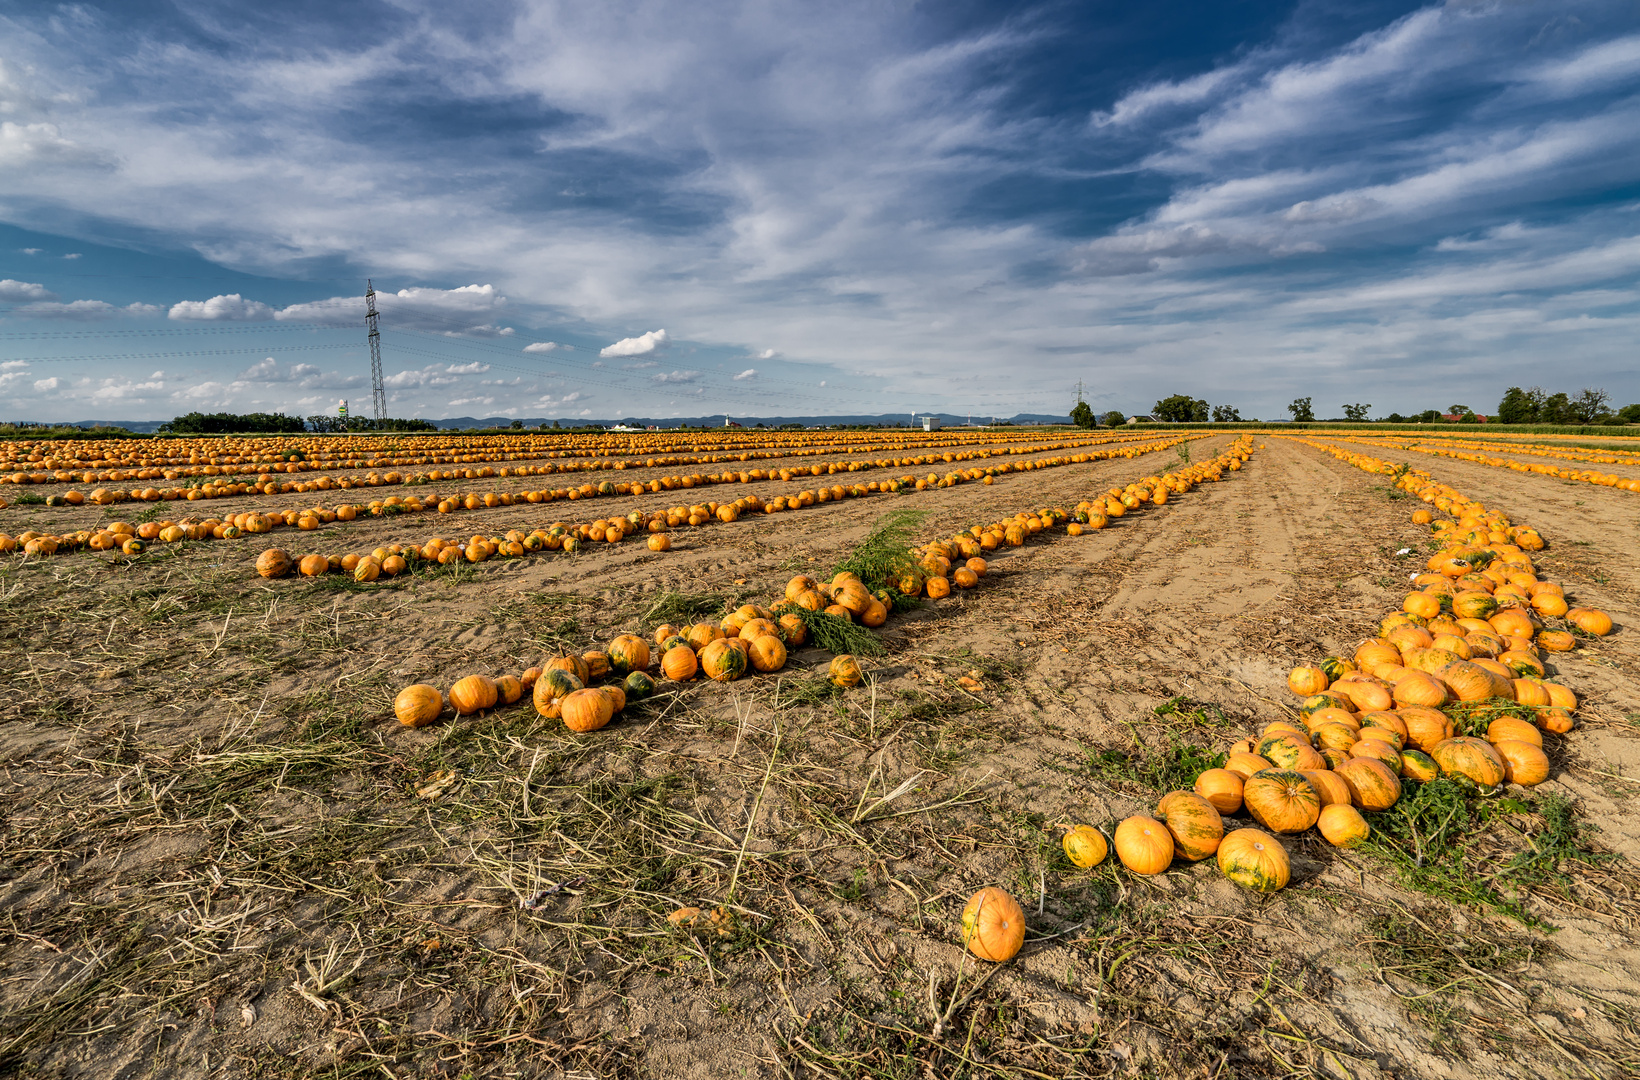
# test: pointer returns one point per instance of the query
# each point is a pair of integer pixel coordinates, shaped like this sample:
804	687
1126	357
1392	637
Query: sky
670	208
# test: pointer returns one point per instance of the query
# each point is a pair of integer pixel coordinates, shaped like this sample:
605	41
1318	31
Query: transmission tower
378	392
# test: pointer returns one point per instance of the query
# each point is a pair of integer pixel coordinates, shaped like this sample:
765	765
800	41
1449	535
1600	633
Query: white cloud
474	368
676	377
73	255
14	292
10	365
642	345
46	385
1140	103
749	373
77	310
541	346
26	144
226	308
31	251
429	376
767	354
440	311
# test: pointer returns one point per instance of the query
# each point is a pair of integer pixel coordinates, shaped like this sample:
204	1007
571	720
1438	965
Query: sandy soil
215	861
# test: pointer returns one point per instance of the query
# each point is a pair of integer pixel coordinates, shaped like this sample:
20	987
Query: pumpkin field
789	754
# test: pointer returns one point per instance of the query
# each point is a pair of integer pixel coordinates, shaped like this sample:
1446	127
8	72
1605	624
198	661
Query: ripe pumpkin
1245	765
1281	800
1590	621
1373	784
313	565
508	689
1417	765
1286	751
767	653
1377	751
993	925
701	635
1144	845
628	652
1328	785
1524	763
418	705
1305	680
1365	693
275	562
1334	737
1389	736
792	629
586	710
1342	825
680	663
473	694
1194	823
1426	727
575	665
1419	688
844	671
1474	758
1254	860
722	662
1222	788
1085	846
1510	727
1556	640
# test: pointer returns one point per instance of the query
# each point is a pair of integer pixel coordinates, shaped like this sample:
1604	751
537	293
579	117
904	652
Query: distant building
1141	419
1453	418
931	423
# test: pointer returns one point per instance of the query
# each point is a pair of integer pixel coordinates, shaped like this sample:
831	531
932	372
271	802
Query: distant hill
148	427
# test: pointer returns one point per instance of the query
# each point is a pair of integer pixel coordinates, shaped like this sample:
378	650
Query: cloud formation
229	308
642	345
18	292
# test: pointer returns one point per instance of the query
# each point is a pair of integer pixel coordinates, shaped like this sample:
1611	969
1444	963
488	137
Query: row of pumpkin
1541	468
1368	723
37	468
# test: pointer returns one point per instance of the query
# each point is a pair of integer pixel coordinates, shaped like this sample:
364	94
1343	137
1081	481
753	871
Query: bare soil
214	860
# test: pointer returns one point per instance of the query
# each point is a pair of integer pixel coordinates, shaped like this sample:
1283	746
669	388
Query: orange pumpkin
508	689
1286	751
1590	621
1222	788
1373	784
1329	786
1417	765
275	562
473	694
844	671
1510	727
1194	823
1281	800
1425	726
1524	762
1144	845
993	925
767	653
680	663
1245	765
1085	846
1342	825
418	705
1254	860
628	653
1419	688
586	710
1305	680
1473	758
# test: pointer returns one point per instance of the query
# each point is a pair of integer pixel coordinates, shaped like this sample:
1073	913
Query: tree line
1534	406
223	423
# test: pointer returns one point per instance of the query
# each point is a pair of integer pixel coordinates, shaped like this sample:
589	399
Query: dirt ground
214	860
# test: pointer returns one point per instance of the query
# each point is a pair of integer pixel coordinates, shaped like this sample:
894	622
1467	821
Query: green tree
1356	413
1226	414
1302	413
1181	409
1114	419
1629	414
1556	409
1429	416
1082	415
1517	407
1590	406
1469	418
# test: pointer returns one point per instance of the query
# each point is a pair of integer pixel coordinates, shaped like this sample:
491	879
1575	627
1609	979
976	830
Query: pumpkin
664	631
1144	845
1342	825
1373	784
508	689
1417	765
1328	785
844	671
275	562
1524	762
1281	800
1554	719
638	685
1254	860
1473	758
680	663
659	542
1334	737
1378	751
1335	667
1555	640
993	925
586	710
793	630
473	694
1286	751
1085	846
313	565
1222	788
1365	693
1590	621
722	662
1305	680
1425	726
529	676
1419	688
1322	717
1245	765
1560	697
575	665
616	696
767	653
628	652
1194	823
597	663
418	705
1511	727
701	635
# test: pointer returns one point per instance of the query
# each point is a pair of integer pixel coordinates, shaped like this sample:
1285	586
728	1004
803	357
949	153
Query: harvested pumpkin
1085	846
993	925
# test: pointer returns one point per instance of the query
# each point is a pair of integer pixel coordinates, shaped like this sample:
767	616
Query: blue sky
675	208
